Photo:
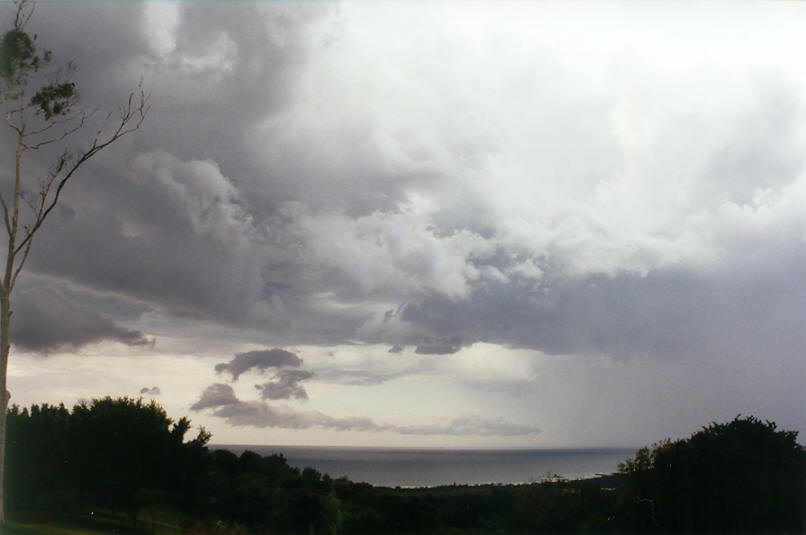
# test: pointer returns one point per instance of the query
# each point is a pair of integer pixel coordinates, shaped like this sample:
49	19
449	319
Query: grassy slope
156	523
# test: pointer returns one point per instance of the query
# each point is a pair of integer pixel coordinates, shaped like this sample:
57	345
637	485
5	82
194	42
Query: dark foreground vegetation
122	465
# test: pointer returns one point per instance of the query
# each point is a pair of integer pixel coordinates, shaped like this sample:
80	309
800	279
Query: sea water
406	467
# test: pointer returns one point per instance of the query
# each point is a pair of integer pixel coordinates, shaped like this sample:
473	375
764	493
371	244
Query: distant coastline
129	462
432	467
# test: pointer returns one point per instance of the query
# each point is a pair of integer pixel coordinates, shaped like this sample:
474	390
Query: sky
459	224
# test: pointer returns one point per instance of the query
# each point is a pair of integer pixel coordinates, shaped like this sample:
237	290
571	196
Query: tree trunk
5	322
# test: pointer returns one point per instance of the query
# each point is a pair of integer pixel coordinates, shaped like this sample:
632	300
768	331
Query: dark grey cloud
443	346
221	398
208	230
285	385
171	253
205	227
668	313
45	321
215	395
178	227
363	375
260	360
153	391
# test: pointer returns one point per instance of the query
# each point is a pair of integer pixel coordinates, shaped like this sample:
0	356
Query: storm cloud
365	175
44	321
477	229
260	360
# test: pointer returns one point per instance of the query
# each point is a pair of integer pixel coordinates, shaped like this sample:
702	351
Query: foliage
126	454
19	61
741	476
115	453
38	450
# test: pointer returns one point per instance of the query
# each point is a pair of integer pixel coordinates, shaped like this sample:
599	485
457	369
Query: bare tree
39	105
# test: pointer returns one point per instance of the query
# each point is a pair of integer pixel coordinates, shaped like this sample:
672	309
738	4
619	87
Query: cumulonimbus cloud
225	404
260	360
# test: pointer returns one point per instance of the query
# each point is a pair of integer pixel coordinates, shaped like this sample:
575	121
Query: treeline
744	476
126	455
120	454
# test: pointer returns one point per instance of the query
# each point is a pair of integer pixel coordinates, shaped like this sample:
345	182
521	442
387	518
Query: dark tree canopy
111	452
18	54
742	476
126	454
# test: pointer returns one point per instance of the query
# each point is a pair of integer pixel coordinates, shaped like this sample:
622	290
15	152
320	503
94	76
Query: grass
151	522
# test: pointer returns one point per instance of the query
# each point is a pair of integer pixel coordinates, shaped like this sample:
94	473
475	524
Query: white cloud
161	20
399	253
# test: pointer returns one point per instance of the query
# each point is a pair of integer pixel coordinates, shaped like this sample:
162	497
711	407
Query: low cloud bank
45	321
225	404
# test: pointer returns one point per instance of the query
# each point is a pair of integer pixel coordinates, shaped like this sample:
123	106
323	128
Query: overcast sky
430	224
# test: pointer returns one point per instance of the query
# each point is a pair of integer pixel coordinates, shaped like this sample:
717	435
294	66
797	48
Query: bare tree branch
21	18
52	123
65	134
5	213
131	118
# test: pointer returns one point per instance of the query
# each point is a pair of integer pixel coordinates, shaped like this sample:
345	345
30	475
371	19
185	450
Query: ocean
406	467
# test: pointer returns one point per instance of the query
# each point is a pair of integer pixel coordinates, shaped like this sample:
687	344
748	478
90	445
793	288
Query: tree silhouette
38	456
40	107
127	451
742	476
117	453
